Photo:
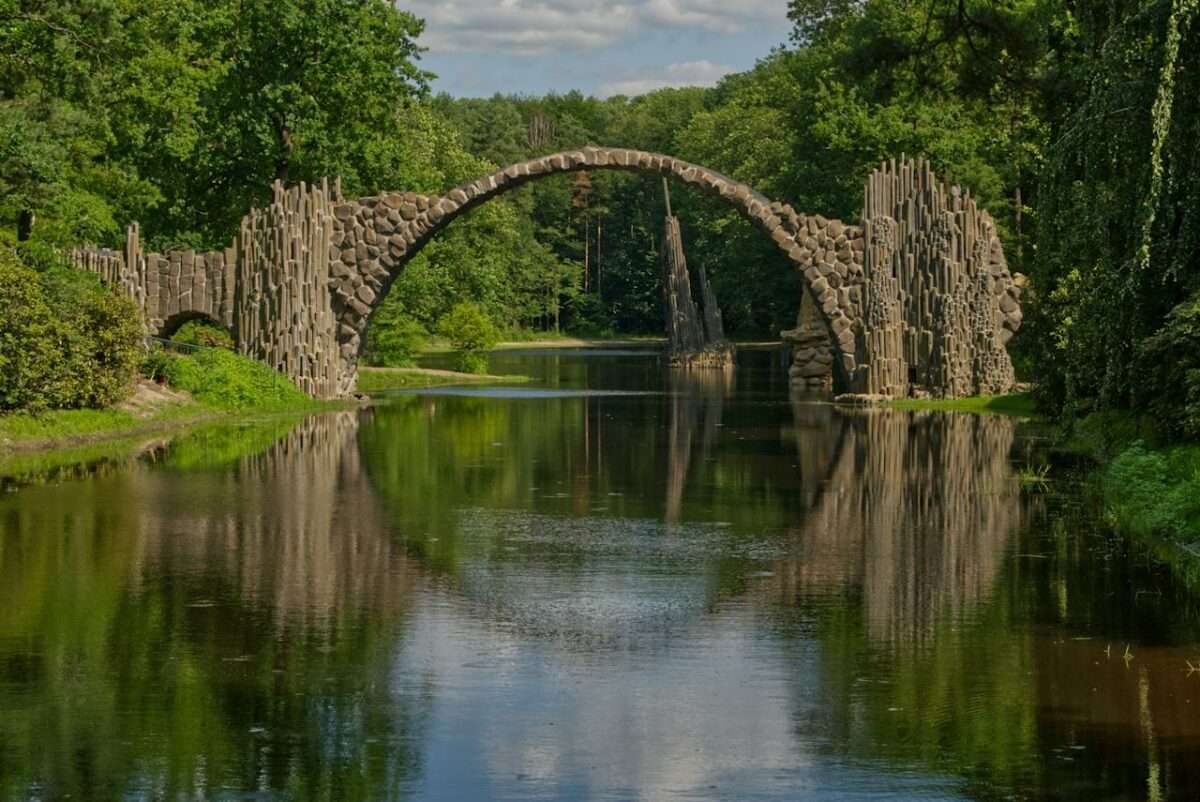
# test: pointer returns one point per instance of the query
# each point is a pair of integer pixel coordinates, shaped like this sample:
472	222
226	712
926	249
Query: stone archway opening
375	237
173	324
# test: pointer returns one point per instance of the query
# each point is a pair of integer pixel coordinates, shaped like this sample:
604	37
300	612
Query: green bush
107	348
157	365
228	381
394	339
73	344
204	334
471	332
1170	368
32	374
1155	492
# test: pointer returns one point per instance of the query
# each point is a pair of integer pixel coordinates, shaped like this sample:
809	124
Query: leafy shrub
32	372
394	339
225	380
73	344
157	365
471	332
203	333
1155	492
107	348
1170	366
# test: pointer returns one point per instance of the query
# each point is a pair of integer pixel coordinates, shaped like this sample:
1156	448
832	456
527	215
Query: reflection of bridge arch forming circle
917	300
913	513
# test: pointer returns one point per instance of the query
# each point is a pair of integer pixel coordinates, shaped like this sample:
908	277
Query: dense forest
1076	124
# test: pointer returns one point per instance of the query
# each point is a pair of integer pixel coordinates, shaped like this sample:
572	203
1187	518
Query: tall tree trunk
283	164
25	221
1018	204
599	252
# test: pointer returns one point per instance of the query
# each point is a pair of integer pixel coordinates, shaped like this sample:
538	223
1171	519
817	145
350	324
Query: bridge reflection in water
915	510
485	594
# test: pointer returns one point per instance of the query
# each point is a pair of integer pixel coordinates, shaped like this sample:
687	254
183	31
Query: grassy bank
514	341
72	425
372	380
1020	404
1147	482
178	391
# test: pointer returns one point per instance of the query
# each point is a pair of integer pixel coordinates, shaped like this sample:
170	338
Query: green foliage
106	349
31	343
1155	492
1119	245
73	343
394	339
1169	385
181	112
203	333
471	332
227	381
157	365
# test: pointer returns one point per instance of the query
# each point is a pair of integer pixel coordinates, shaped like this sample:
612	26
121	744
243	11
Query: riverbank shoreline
372	379
154	410
1019	405
23	433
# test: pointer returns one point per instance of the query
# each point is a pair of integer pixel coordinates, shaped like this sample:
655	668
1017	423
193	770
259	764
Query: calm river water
610	584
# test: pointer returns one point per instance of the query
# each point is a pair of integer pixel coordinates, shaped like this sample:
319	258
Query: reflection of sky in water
593	658
709	716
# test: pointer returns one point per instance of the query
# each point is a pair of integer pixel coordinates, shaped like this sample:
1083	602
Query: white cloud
533	27
689	73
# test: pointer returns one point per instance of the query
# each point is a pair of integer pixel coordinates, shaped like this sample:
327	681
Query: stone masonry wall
927	307
270	288
935	303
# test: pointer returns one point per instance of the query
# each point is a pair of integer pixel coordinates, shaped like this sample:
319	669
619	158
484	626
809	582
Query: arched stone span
918	300
375	238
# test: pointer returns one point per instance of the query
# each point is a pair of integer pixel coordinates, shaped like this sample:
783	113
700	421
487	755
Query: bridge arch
919	299
375	237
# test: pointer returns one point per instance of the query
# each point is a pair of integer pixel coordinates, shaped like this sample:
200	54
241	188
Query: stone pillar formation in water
693	340
938	303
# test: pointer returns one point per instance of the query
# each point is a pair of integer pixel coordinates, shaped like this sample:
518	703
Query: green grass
1019	404
1146	482
372	380
66	424
220	382
225	381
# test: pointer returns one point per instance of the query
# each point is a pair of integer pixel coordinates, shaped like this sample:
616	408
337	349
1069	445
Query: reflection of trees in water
897	565
915	511
170	636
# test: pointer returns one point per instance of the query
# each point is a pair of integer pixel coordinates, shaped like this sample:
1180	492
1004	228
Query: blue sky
480	47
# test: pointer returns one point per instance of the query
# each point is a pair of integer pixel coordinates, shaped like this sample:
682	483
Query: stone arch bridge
916	299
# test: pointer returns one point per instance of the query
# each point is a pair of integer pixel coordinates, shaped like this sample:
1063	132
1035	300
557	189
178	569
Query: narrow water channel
612	583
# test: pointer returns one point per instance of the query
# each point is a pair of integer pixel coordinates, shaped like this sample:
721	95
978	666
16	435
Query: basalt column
940	304
685	332
695	339
283	313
